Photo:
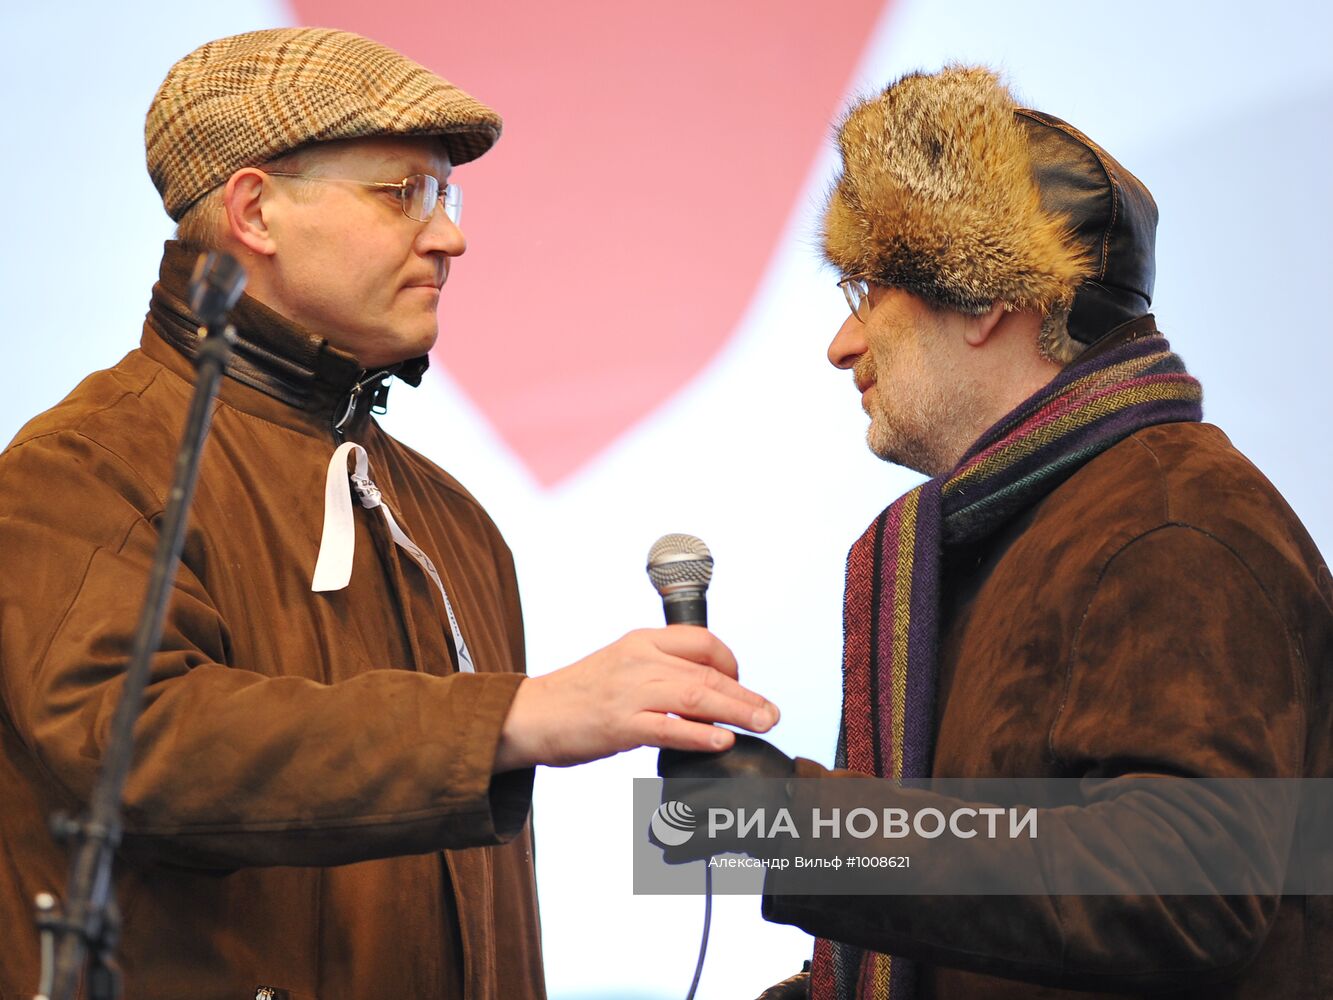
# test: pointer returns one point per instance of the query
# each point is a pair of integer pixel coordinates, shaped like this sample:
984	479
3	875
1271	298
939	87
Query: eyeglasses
418	194
857	293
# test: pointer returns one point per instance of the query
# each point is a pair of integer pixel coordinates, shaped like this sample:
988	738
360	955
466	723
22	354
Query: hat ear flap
843	235
1054	340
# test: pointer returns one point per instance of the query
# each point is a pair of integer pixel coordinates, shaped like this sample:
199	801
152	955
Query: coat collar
275	356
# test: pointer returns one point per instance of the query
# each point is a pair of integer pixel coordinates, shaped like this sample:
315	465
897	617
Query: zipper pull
378	383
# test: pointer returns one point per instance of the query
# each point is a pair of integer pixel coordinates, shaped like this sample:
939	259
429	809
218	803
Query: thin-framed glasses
857	293
418	194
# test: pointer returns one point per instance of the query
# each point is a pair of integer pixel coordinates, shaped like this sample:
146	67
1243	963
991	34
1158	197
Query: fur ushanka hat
951	191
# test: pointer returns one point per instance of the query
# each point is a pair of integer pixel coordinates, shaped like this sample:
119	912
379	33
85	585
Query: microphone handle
686	607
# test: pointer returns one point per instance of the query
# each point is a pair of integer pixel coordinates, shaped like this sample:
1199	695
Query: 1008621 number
863	861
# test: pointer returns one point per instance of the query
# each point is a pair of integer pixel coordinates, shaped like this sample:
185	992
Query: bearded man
1093	584
334	765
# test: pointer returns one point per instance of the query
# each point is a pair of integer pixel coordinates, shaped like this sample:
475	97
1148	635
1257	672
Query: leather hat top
1111	214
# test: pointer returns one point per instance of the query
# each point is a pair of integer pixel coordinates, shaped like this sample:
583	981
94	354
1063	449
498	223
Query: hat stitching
275	63
1096	152
305	61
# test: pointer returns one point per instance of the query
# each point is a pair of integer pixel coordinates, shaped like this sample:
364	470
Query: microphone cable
708	920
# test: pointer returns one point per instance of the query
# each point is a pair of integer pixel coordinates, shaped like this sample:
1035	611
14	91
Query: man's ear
980	328
245	204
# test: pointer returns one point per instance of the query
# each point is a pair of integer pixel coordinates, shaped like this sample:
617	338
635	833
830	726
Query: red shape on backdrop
651	157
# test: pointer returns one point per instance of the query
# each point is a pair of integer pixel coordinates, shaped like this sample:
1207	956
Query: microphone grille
679	561
216	284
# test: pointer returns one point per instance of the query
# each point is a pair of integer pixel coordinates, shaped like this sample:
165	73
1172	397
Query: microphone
680	567
215	285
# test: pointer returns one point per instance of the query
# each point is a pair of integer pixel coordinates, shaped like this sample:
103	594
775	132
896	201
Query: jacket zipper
378	383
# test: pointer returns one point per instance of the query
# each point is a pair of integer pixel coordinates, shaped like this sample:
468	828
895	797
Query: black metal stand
86	929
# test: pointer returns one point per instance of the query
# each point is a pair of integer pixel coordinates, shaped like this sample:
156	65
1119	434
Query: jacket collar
274	355
1140	326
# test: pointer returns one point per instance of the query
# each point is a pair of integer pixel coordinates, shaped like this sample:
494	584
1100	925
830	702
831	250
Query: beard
924	411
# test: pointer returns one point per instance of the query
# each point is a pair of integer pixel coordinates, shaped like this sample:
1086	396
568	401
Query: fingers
653	687
699	693
698	645
681	734
689	673
697	681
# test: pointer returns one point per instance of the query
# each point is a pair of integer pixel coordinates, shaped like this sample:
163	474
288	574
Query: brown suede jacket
1162	611
309	767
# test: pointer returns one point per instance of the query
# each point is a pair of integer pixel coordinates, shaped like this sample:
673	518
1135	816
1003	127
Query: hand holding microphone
751	773
653	687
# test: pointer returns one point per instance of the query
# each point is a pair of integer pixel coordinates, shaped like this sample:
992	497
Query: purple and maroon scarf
891	606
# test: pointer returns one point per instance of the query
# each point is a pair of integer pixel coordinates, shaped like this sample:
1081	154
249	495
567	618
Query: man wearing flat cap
1093	584
333	769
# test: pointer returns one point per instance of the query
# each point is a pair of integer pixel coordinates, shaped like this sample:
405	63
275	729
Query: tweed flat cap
244	100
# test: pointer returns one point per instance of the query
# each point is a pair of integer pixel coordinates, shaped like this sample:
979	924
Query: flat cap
244	100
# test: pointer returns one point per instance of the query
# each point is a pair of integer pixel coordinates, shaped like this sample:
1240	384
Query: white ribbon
333	568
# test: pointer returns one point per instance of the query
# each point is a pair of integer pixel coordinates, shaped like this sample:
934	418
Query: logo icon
673	823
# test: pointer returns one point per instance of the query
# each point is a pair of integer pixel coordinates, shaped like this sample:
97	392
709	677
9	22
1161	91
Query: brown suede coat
1161	611
309	767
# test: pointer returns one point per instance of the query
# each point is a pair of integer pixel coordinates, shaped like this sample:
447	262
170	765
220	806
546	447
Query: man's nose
848	344
440	234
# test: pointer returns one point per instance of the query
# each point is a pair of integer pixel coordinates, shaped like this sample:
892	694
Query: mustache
864	371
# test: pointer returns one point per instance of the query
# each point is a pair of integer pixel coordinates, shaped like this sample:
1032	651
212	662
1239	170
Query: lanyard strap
333	568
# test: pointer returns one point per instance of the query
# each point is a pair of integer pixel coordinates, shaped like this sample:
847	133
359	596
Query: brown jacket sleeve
1181	666
235	764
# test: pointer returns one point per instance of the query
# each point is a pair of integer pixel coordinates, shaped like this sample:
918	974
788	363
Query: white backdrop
1222	109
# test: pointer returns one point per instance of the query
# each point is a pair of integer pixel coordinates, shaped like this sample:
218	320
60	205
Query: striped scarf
891	606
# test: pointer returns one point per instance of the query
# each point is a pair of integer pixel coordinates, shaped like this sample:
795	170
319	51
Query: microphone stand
86	929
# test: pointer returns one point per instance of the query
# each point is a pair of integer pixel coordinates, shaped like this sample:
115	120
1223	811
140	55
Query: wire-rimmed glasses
857	293
418	194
